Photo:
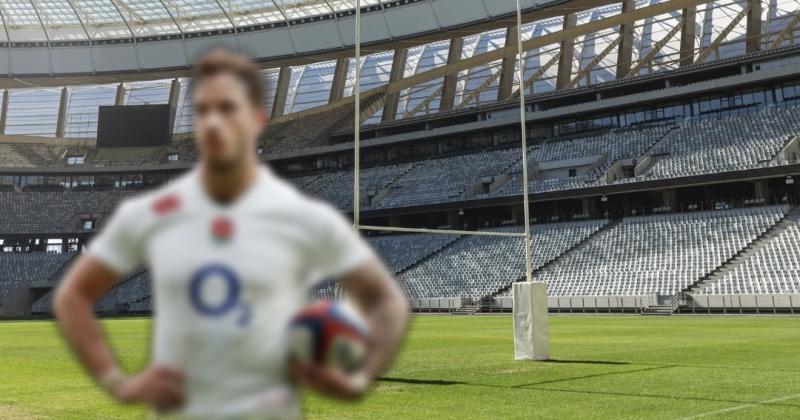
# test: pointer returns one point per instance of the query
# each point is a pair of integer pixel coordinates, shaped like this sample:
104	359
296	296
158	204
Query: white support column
281	92
4	112
119	99
61	122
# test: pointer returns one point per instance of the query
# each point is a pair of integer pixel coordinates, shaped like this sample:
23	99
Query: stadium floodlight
531	335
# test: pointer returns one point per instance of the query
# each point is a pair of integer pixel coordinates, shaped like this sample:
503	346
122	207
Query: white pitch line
742	407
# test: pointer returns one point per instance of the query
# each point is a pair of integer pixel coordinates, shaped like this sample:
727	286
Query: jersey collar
263	178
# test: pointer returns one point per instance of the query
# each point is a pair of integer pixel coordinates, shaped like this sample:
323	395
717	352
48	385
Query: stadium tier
636	256
55	211
703	146
659	255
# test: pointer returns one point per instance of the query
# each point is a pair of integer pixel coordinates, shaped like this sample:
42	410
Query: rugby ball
329	334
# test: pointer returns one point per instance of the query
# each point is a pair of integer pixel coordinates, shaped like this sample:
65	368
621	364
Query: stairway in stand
790	218
667	309
467	310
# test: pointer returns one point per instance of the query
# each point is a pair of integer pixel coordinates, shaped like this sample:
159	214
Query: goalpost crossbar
443	231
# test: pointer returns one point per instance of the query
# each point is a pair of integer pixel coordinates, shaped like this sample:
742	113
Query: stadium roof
58	20
414	75
91	37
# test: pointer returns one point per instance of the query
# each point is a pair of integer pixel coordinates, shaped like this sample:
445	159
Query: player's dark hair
220	61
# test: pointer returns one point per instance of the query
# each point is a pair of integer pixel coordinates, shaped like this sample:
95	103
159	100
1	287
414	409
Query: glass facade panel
82	109
413	101
33	112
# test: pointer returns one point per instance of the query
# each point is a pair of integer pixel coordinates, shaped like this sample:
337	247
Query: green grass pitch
462	367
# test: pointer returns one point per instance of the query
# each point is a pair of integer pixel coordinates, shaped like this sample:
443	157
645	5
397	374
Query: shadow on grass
596	375
422	381
586	362
537	386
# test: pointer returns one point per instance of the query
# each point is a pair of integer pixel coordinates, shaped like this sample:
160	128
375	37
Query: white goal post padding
531	329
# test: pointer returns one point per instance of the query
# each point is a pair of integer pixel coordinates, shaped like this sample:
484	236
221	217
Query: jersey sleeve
118	243
340	249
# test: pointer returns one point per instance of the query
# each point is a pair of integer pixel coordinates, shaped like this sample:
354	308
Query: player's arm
116	250
375	292
86	282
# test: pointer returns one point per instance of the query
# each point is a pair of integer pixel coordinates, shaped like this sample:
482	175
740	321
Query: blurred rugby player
233	252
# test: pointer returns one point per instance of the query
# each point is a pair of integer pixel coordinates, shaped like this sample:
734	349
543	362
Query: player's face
226	121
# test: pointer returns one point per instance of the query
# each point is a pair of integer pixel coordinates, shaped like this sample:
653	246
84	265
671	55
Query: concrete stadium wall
698	303
557	304
17	304
583	303
766	302
437	304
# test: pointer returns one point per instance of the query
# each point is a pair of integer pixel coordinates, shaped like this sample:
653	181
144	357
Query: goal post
531	334
529	298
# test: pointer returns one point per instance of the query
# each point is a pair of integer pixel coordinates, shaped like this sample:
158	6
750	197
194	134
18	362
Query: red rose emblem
222	228
167	204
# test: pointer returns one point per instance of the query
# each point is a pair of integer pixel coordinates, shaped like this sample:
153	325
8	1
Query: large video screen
134	125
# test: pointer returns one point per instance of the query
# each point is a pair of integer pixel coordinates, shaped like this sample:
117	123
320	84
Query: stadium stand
399	252
478	266
302	132
602	151
661	254
770	267
460	267
126	156
446	179
28	155
129	292
726	144
54	211
129	296
20	269
325	290
703	146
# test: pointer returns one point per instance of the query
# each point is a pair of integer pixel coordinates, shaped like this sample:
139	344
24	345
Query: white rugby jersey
226	281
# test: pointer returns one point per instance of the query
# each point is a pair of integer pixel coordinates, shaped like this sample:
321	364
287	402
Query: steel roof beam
544	40
651	55
787	33
722	35
538	75
586	71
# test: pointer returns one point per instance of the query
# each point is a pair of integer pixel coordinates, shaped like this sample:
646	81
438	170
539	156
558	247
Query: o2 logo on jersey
231	294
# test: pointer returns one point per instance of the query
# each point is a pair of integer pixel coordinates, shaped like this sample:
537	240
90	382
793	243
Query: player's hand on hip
333	383
160	387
